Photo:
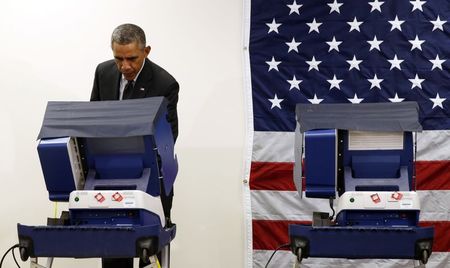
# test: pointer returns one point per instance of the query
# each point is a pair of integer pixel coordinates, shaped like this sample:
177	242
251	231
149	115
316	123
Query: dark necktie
128	90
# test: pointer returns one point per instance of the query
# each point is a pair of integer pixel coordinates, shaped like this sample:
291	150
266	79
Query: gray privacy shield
126	118
402	116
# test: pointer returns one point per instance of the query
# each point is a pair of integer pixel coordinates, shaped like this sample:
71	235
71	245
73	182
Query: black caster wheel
24	254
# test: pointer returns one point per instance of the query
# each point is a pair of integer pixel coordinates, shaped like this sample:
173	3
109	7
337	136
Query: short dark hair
128	33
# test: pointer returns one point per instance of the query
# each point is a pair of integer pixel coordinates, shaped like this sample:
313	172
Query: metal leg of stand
49	262
165	257
34	263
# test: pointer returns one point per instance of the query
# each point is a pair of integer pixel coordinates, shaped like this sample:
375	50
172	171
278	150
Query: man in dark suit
130	75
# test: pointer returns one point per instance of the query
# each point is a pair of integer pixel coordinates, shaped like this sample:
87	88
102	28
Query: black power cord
332	209
275	251
14	256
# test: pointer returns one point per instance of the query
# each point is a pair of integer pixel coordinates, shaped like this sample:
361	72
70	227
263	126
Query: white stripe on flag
286	205
273	146
434	205
278	146
433	145
285	259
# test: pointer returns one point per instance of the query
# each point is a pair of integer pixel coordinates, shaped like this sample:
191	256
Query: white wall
49	50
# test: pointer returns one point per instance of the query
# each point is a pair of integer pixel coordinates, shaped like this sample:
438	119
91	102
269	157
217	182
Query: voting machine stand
362	156
109	161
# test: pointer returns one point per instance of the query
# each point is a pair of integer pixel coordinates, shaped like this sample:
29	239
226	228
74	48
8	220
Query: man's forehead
132	48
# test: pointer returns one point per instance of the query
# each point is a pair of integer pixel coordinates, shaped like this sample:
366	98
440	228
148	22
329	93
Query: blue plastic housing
320	163
129	163
378	170
93	241
55	163
363	217
117	163
360	242
113	217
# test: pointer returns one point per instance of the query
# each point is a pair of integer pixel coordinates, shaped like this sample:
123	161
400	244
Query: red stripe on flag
432	175
272	176
268	235
441	234
277	176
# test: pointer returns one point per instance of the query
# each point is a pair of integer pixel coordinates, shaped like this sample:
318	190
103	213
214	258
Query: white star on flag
273	64
437	63
416	43
294	8
294	83
314	26
438	101
354	63
396	24
315	100
355	99
438	24
293	45
335	6
375	82
416	82
334	83
395	63
276	102
354	25
396	99
334	44
376	5
417	4
375	43
313	64
273	26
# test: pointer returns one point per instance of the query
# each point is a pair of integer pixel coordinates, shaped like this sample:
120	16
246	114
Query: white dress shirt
123	82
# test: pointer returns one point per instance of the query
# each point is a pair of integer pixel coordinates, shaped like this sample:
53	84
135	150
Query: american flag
345	51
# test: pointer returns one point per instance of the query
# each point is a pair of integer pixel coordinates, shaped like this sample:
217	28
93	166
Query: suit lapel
142	85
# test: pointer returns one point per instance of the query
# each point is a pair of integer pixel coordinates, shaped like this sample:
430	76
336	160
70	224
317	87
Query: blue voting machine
362	157
112	162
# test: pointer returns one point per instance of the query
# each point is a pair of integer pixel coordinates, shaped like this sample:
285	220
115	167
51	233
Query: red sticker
100	198
117	197
397	196
376	198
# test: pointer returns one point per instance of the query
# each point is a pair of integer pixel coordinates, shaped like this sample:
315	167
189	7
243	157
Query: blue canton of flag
355	51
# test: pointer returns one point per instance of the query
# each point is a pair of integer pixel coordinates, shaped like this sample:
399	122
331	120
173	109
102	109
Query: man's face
129	58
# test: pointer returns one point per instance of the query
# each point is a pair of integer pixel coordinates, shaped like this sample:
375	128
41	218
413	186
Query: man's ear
147	50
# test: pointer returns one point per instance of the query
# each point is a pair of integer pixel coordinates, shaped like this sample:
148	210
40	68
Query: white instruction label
129	203
406	203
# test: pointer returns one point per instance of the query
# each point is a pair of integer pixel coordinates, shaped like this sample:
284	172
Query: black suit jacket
152	81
